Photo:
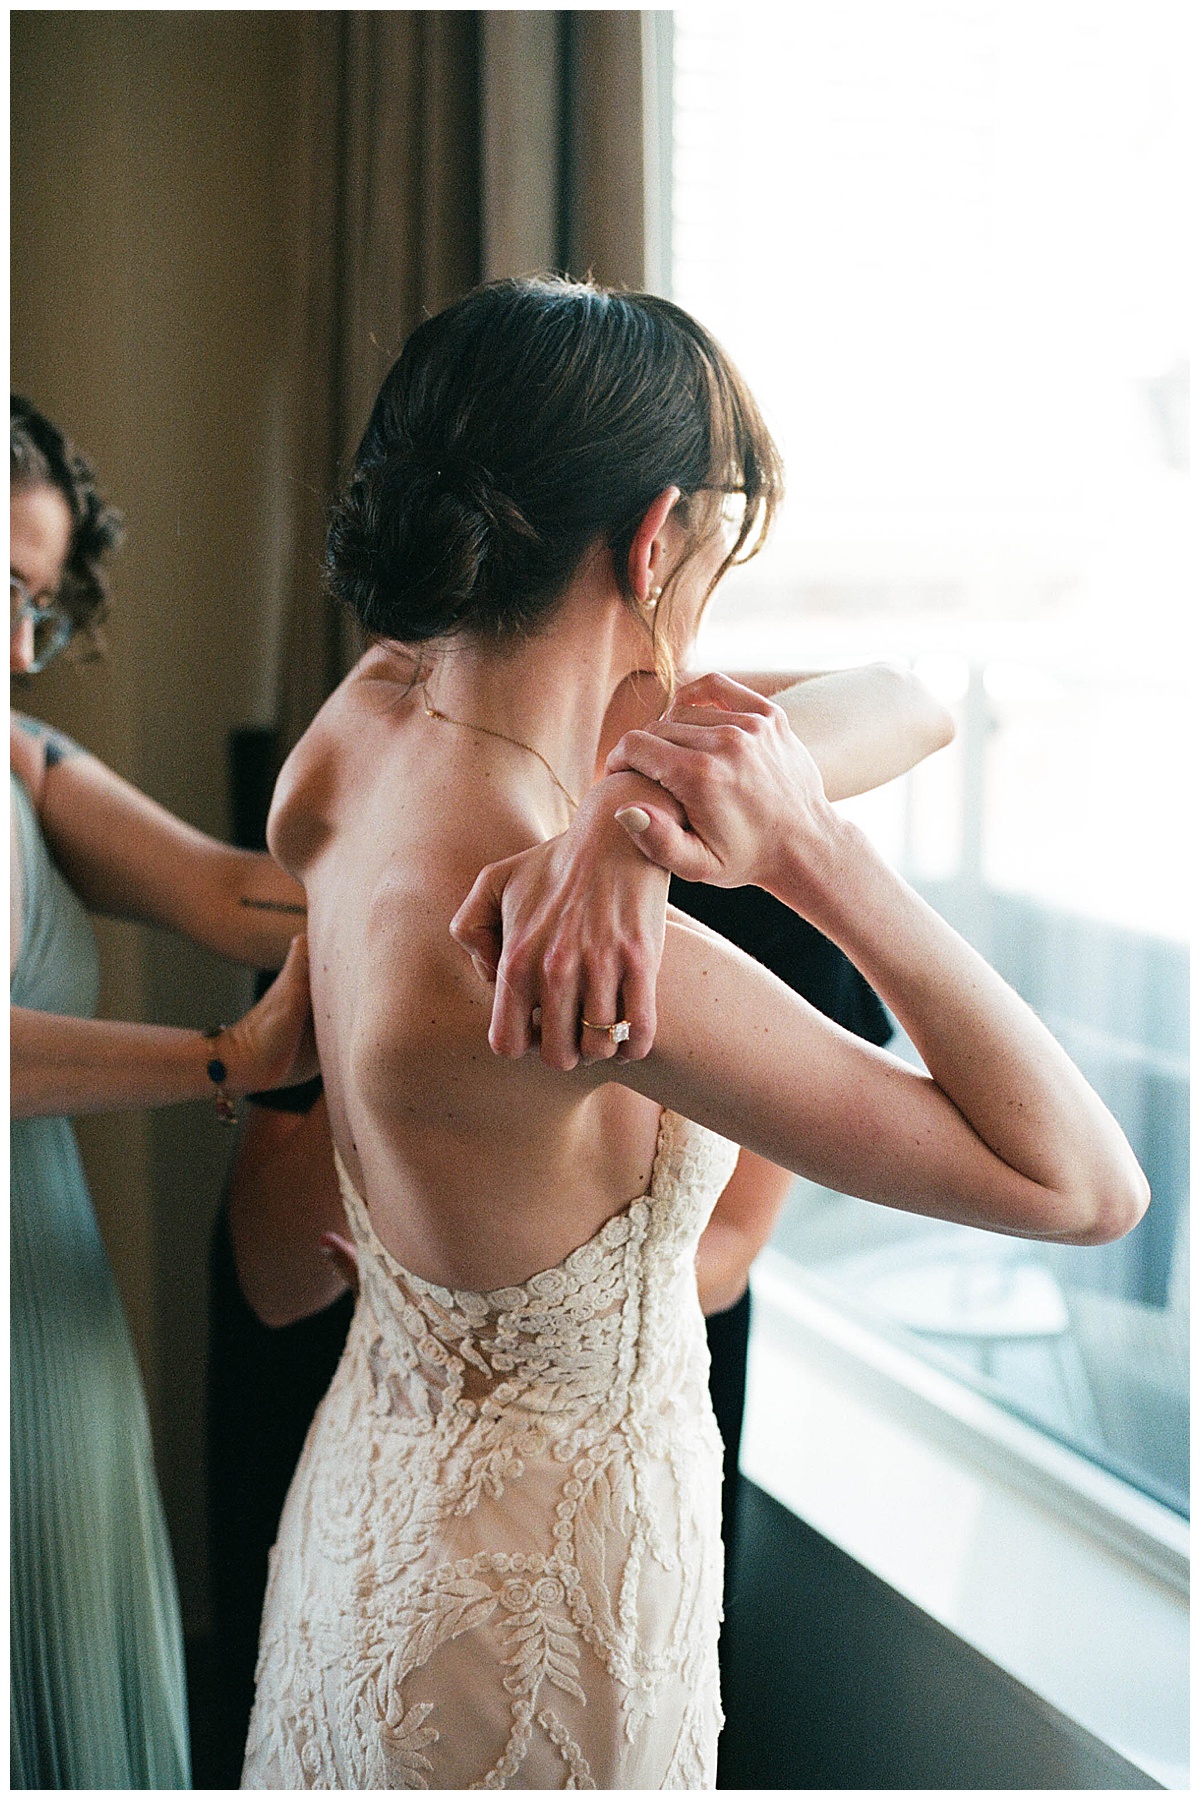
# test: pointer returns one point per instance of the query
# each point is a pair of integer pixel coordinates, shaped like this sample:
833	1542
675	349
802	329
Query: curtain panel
434	150
388	208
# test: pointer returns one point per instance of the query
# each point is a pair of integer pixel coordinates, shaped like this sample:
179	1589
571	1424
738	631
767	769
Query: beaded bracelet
218	1074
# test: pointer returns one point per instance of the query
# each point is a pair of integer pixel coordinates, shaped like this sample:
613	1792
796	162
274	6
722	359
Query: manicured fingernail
634	818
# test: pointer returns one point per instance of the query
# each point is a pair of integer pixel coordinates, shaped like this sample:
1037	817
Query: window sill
1063	1575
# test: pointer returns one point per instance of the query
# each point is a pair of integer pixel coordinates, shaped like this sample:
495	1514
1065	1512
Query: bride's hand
273	1045
572	930
750	792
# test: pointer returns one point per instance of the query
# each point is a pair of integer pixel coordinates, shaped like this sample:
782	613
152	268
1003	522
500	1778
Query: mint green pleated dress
98	1695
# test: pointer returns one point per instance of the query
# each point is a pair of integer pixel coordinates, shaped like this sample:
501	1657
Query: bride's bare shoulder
327	762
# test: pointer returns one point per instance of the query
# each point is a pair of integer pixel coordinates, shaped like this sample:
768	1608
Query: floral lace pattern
499	1564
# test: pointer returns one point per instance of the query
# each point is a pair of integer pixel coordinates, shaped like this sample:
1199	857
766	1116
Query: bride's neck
549	692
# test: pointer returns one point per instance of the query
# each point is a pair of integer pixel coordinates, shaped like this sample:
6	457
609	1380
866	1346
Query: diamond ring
616	1034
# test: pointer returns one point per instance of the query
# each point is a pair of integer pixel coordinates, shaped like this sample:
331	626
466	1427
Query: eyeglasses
52	623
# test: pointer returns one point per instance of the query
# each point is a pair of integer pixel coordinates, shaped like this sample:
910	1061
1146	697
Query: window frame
1061	1561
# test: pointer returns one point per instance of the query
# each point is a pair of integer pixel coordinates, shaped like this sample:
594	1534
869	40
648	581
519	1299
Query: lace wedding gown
499	1564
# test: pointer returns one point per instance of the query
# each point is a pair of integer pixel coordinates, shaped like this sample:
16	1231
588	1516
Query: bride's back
520	442
478	1170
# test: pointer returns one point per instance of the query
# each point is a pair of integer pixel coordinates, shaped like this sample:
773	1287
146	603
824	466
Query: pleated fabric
98	1697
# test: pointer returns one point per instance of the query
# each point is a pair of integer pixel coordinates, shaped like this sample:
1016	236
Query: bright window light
952	246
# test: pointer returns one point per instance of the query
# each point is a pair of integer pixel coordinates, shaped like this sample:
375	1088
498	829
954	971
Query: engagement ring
616	1034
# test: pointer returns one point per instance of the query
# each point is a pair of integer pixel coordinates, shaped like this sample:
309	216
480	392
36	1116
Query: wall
152	312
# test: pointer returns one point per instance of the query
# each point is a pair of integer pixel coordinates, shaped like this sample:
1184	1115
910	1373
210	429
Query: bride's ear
648	553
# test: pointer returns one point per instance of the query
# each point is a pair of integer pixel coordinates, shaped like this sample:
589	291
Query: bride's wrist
824	874
625	788
616	794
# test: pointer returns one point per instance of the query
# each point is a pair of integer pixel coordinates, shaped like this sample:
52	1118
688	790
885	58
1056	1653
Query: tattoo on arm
279	906
58	746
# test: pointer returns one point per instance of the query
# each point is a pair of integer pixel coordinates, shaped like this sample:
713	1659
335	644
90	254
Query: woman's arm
571	929
574	929
1003	1132
61	1065
741	1222
861	726
283	1201
130	858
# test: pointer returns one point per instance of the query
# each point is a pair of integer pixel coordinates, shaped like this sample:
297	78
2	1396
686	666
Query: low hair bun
418	547
404	551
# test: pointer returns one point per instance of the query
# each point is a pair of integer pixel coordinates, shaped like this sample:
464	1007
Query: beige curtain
435	150
570	123
387	166
613	130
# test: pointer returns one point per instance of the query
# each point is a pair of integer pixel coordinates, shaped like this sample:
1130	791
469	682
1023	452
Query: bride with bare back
499	1563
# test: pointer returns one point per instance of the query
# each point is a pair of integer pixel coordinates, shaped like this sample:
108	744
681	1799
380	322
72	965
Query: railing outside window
951	246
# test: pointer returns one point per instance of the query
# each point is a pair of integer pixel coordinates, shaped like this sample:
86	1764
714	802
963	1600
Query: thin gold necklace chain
432	712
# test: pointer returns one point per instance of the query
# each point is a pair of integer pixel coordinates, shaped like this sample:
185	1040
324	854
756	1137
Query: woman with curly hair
97	1679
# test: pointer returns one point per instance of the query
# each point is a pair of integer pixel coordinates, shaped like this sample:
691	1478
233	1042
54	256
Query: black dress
264	1384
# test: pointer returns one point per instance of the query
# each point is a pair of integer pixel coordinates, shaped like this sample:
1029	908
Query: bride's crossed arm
576	927
1003	1132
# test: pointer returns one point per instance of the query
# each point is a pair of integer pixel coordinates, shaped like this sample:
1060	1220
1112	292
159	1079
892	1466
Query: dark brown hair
41	456
522	425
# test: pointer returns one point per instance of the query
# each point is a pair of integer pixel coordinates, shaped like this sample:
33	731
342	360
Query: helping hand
274	1045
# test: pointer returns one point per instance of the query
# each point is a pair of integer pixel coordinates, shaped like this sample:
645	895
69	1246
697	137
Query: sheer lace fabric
499	1564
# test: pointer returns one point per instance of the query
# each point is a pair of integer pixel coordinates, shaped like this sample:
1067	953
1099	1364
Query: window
951	246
